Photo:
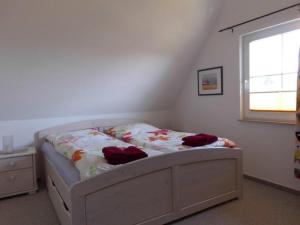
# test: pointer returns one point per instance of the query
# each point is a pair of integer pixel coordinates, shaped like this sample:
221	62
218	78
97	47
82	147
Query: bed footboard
159	189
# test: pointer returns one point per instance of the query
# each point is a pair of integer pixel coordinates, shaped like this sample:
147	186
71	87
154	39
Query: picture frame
210	81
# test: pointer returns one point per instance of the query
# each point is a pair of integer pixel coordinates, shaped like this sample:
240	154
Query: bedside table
18	172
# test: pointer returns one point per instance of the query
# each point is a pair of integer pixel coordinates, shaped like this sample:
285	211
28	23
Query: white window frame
245	40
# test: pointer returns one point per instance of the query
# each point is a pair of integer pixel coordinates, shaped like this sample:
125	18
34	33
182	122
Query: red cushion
199	140
115	155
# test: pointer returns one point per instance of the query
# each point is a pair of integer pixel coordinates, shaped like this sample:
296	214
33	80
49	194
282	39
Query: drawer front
62	212
16	182
15	163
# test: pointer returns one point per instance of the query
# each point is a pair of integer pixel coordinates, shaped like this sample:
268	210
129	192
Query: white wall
268	148
64	60
72	57
24	130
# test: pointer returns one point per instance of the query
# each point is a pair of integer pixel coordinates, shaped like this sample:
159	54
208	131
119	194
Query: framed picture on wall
210	81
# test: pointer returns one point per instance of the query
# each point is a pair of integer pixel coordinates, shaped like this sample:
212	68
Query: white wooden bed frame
155	190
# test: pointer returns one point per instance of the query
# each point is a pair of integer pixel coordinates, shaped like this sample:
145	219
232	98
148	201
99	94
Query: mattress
64	166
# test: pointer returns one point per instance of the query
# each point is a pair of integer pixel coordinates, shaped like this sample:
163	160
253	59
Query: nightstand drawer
15	163
16	182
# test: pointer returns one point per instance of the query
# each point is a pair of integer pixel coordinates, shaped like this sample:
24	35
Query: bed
155	190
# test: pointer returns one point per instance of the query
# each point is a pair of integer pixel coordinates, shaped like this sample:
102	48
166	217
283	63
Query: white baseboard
272	184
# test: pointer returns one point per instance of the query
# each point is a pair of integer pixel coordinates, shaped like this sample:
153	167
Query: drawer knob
12	163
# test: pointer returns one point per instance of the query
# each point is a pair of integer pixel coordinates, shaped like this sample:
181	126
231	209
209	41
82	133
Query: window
269	73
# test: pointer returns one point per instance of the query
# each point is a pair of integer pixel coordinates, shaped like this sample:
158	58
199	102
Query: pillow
130	129
70	135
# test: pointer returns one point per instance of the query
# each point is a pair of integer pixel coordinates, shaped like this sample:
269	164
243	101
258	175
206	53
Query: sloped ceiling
75	57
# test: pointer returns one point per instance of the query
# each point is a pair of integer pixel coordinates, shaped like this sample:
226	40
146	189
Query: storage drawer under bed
61	209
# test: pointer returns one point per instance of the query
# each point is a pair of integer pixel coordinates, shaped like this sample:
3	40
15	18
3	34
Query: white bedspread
163	140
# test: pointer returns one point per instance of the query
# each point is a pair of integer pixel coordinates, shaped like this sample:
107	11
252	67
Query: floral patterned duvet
152	137
84	148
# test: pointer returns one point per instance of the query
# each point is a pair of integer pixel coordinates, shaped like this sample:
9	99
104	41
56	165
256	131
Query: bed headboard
97	123
40	136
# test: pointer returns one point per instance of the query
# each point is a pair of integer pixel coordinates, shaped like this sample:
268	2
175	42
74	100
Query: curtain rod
257	18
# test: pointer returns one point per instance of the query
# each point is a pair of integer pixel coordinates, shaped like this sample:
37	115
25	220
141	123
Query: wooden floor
262	205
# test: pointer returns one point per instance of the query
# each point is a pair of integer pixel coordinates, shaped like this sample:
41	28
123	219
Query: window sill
268	121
